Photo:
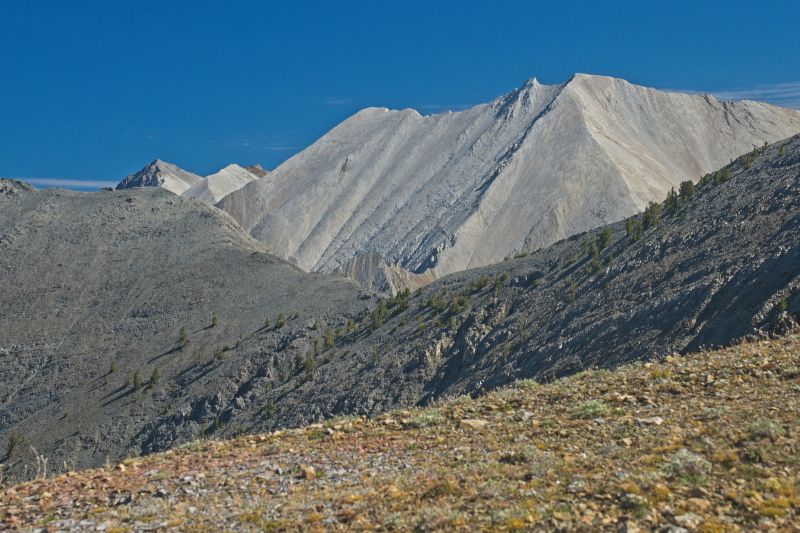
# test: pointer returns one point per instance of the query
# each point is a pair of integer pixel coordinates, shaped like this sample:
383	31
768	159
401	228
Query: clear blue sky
94	90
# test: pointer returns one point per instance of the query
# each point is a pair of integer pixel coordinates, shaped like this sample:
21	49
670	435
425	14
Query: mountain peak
159	173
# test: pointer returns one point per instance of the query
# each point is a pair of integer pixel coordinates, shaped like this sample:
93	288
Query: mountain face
109	348
161	174
210	189
216	186
441	193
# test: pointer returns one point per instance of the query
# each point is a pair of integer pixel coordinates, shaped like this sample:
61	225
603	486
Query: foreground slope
707	442
446	192
120	307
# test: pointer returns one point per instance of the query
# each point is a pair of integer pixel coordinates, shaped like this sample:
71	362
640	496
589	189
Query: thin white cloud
269	143
782	94
278	147
68	183
335	100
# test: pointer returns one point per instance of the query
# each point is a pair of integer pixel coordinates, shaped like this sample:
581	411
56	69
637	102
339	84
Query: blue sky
94	90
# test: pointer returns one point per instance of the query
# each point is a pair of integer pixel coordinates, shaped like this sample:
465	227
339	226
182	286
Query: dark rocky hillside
97	291
717	267
98	286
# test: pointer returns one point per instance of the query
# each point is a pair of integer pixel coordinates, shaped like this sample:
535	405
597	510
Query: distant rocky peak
160	173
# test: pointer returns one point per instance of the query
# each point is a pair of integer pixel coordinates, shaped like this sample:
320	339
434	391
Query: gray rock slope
442	193
97	287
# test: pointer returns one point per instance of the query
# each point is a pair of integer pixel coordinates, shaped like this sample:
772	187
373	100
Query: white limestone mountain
440	193
209	189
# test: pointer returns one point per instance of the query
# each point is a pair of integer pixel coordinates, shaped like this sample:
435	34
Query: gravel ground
706	442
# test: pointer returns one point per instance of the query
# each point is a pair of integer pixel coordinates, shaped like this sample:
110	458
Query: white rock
441	193
218	185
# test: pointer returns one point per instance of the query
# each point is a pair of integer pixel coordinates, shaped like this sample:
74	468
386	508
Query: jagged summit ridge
209	189
445	192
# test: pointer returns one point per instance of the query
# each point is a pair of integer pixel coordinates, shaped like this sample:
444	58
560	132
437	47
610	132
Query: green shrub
671	203
328	342
379	314
526	384
13	443
478	284
427	418
572	290
155	377
633	228
269	409
651	216
458	303
137	381
280	321
309	366
400	301
592	409
764	429
605	238
183	337
500	281
723	175
437	303
686	465
686	190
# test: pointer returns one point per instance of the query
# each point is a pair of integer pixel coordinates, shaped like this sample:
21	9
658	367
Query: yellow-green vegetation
708	442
